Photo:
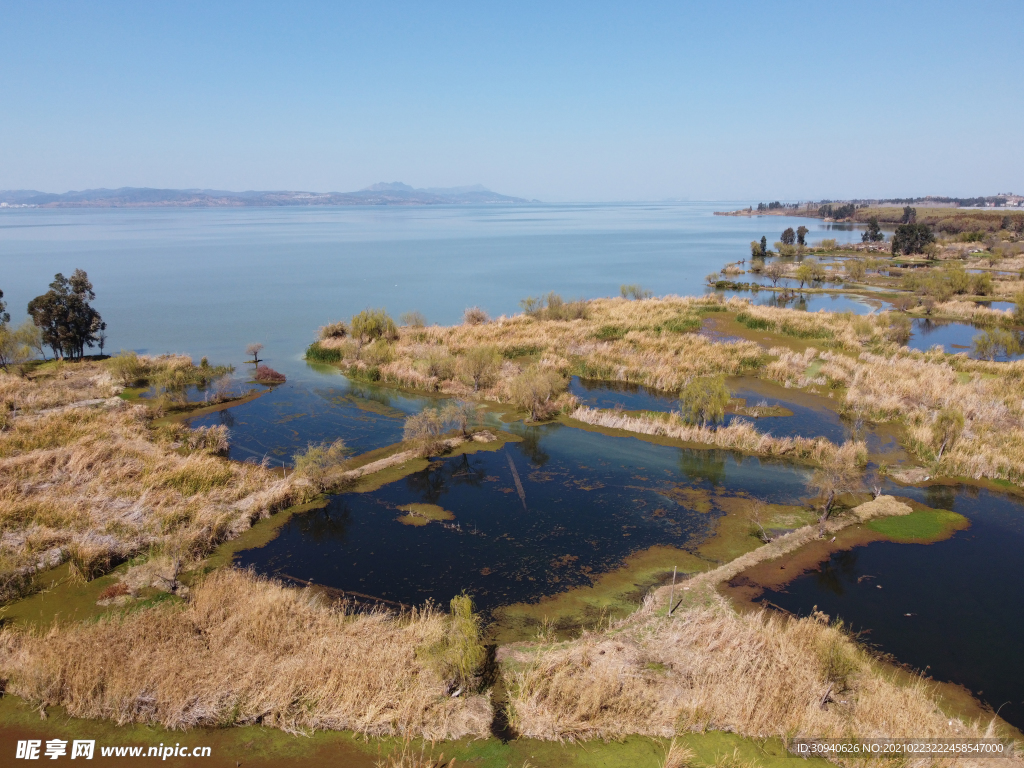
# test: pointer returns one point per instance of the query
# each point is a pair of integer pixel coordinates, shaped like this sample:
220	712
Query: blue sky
558	101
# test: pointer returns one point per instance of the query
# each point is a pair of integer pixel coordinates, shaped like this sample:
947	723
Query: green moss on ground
922	526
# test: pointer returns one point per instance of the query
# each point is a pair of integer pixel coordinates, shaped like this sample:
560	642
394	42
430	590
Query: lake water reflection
588	502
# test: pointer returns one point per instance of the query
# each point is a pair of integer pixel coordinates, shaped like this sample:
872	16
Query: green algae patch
370	405
59	596
736	531
611	595
422	514
191	412
924	526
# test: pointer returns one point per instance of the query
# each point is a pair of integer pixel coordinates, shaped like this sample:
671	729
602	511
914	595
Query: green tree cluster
873	234
68	322
912	238
788	236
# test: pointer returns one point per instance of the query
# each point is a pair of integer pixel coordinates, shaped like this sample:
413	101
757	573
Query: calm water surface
955	607
210	281
952	337
588	502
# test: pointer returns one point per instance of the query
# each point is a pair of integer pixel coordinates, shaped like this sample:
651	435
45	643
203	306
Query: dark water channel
588	502
808	418
954	608
285	420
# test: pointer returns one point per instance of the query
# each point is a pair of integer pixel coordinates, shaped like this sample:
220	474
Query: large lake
210	281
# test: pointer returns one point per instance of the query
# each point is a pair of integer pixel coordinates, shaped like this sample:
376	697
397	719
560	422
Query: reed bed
244	650
740	435
98	484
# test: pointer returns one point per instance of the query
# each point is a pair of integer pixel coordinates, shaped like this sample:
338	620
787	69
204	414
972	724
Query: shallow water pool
287	419
587	501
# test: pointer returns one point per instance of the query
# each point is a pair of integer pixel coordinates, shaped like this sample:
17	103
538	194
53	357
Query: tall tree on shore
873	234
764	246
912	238
801	235
68	322
788	236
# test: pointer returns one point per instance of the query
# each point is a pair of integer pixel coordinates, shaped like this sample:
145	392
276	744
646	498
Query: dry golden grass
243	650
739	435
96	484
857	359
618	339
707	667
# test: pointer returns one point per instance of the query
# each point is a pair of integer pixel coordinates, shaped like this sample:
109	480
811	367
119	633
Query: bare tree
775	272
839	473
254	350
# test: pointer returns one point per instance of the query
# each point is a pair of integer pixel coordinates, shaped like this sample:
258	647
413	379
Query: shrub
424	429
532	306
127	369
559	309
703	400
533	391
475	316
554	307
436	362
480	365
981	285
949	423
458	416
458	656
317	461
267	375
338	330
996	342
413	319
828	244
379	352
835	655
371	324
634	292
899	329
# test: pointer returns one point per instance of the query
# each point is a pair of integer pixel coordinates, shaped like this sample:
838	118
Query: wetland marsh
573	486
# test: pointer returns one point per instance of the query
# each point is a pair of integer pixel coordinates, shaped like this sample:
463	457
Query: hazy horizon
580	103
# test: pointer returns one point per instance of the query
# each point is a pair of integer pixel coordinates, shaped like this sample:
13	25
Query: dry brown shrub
475	316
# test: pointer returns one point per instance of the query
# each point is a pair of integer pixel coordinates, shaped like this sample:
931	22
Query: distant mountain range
394	193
